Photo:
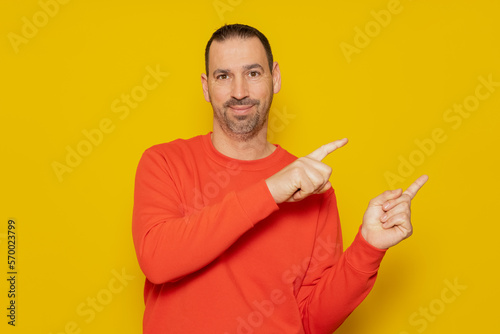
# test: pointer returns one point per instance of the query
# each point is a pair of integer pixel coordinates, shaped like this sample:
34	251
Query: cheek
261	91
219	94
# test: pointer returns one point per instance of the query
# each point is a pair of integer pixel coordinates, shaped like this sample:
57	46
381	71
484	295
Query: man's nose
240	88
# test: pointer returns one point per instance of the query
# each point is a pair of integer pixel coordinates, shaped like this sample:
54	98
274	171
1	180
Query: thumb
385	196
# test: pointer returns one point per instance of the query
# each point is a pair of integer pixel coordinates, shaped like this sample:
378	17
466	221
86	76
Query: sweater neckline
258	164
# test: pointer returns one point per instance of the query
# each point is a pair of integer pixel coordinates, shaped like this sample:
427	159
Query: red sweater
220	256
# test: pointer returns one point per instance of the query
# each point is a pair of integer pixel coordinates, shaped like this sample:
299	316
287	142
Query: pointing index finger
415	186
321	153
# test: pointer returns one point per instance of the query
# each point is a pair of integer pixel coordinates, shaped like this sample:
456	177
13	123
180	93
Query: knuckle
300	161
327	171
296	172
406	197
409	233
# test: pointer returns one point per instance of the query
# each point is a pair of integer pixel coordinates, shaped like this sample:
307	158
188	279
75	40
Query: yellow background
74	235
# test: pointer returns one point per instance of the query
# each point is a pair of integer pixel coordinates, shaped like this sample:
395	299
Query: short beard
242	127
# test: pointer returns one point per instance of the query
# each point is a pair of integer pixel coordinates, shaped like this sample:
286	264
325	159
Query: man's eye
222	76
254	74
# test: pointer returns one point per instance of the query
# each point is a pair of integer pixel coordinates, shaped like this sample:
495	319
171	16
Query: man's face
240	86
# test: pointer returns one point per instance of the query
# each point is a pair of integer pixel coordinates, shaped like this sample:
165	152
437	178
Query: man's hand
305	176
387	220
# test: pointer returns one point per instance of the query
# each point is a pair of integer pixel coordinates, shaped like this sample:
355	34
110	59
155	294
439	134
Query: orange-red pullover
220	256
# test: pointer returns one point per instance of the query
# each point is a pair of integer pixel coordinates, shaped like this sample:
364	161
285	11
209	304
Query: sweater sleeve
336	285
170	245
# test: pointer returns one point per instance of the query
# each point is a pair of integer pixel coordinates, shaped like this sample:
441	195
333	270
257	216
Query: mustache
243	102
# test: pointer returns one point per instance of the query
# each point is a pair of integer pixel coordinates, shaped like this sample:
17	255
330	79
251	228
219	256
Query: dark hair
241	31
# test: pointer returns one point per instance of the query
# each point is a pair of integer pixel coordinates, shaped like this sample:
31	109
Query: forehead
235	53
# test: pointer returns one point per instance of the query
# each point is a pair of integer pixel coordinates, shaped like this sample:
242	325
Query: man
236	235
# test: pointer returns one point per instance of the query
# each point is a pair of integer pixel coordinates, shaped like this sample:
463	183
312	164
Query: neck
242	148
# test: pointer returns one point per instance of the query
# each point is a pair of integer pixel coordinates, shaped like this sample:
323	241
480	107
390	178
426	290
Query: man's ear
276	78
204	85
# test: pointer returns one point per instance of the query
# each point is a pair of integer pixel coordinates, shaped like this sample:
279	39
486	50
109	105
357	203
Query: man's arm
333	290
170	244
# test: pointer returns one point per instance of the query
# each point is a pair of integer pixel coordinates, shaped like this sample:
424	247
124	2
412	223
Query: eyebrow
252	66
221	71
246	68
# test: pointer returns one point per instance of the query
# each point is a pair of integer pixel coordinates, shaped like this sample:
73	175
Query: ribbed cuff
257	201
364	257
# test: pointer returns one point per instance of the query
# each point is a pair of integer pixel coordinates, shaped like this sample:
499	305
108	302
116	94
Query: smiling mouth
241	108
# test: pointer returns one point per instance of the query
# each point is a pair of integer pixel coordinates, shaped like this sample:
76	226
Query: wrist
366	235
272	190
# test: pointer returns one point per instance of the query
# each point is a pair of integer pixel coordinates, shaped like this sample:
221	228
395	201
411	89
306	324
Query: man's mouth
241	109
